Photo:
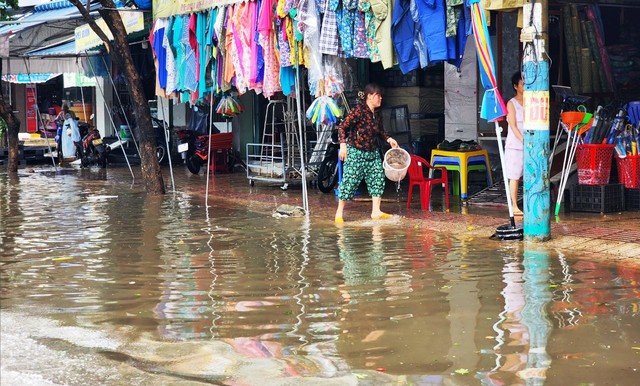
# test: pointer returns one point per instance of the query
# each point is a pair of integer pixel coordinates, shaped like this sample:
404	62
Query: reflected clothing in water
70	134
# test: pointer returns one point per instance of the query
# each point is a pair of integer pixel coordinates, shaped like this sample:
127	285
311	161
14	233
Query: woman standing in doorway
359	151
514	143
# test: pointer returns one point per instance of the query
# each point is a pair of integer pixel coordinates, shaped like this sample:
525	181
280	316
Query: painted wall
461	97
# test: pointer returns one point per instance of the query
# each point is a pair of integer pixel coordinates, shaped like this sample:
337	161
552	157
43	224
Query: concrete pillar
536	190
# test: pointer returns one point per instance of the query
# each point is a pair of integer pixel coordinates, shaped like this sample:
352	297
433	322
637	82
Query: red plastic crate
629	171
594	164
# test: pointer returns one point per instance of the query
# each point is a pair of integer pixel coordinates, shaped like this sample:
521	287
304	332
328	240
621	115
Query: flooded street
102	284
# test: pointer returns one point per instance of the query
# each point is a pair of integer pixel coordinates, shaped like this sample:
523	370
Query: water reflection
382	300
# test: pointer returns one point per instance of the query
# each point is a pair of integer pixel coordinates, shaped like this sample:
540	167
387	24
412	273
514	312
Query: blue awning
28	78
50	12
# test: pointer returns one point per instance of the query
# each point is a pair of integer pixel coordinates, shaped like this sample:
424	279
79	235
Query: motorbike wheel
193	164
328	174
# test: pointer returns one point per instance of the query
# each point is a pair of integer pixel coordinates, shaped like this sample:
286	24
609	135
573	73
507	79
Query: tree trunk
121	55
13	127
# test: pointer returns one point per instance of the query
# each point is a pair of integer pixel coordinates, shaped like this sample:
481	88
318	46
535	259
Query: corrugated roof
54	12
64	49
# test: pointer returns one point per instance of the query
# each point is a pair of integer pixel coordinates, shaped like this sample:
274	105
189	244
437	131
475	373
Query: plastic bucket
396	162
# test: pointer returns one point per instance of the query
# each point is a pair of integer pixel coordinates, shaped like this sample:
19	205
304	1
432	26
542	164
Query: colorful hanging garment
160	53
230	55
402	31
211	51
418	38
179	52
255	54
221	36
190	81
267	41
329	38
203	53
360	48
370	27
238	49
383	11
346	15
170	64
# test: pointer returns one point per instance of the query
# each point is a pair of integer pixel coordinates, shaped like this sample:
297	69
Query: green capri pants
360	165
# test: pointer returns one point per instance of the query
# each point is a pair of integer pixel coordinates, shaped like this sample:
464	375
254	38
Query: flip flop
518	214
339	220
384	216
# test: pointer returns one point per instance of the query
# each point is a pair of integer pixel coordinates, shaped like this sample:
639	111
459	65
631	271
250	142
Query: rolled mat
572	59
585	70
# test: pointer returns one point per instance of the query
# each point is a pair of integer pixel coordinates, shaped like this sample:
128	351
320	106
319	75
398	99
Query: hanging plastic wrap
324	110
309	25
229	106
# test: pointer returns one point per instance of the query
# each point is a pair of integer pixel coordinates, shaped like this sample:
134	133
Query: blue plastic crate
597	198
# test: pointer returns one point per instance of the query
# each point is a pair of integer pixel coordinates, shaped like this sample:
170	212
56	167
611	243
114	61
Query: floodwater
101	284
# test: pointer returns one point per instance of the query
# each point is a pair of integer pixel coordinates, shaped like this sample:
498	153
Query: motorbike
118	146
199	153
186	140
328	172
90	149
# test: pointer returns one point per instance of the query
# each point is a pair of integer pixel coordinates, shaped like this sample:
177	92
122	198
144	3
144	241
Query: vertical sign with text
32	117
536	113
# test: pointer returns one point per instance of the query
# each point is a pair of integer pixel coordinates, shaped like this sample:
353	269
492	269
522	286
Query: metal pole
165	126
206	190
111	118
537	198
303	171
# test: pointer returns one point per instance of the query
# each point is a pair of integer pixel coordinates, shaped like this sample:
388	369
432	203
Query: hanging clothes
203	54
229	44
220	33
254	55
346	15
190	79
458	43
244	33
329	38
360	47
383	12
179	52
453	16
170	64
402	31
259	63
156	39
267	41
418	38
433	25
370	27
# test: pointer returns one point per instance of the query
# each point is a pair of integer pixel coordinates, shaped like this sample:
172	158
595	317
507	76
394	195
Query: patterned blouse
360	128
